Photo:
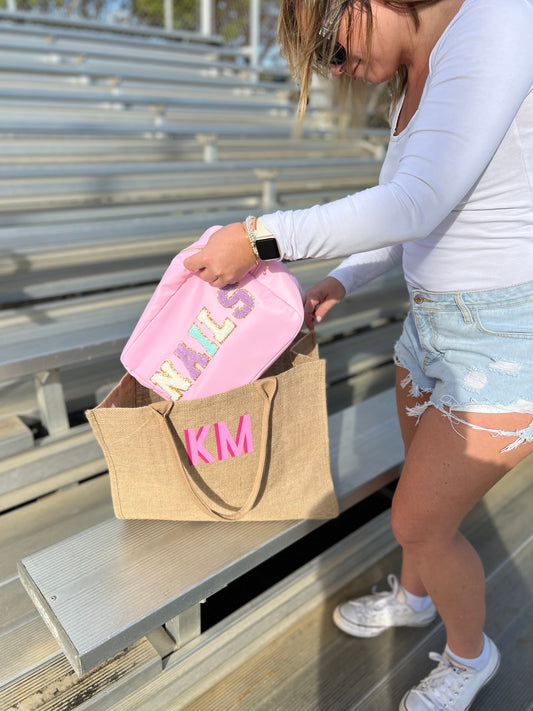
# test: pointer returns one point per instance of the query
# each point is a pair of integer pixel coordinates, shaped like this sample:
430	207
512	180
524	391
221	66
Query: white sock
478	663
416	602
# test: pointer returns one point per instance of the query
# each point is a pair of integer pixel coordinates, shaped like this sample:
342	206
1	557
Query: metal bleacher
118	147
117	151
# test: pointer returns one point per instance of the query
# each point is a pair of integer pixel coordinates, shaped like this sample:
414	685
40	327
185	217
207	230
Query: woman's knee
404	527
414	525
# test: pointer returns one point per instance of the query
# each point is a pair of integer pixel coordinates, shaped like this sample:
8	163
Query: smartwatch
265	242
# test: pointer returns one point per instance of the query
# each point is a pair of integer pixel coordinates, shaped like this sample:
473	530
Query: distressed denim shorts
473	351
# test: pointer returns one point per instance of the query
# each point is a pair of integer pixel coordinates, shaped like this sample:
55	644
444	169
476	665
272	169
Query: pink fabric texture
194	339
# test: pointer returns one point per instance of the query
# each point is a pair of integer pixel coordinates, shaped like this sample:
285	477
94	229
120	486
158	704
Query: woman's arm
363	267
481	70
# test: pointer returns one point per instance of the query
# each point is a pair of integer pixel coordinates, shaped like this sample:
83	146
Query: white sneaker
450	686
370	615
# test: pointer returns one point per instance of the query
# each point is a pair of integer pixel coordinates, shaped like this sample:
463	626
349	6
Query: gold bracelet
249	226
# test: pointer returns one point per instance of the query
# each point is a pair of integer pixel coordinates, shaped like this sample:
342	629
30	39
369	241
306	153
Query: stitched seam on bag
111	466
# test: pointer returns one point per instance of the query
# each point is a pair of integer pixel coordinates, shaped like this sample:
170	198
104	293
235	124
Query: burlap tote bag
258	452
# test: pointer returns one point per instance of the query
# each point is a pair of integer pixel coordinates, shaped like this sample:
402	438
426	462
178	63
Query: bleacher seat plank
125	72
361	386
126	168
67	186
128	235
128	97
17	656
50	27
52	464
94	332
25	643
15	436
355	354
28	149
28	651
109	123
17	608
130	577
353	164
27	529
78	52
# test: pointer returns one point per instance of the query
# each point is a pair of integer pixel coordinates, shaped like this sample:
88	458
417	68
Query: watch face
267	248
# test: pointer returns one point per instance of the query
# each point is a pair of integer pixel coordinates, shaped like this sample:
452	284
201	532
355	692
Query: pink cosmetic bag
194	339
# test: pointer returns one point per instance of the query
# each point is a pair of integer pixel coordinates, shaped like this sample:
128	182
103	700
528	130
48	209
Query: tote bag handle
267	389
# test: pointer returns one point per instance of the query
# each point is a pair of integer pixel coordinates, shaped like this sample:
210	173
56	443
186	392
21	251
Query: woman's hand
225	259
320	298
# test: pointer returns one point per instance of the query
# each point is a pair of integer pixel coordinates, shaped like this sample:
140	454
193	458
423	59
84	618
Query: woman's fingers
225	259
310	304
195	261
228	256
314	311
319	299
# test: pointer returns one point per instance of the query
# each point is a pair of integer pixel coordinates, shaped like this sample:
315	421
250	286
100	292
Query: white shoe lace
368	606
443	685
379	600
394	585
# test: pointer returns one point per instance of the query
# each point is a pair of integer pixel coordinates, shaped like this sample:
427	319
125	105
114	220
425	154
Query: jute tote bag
258	452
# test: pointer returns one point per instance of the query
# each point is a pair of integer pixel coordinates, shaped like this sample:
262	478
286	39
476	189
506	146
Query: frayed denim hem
448	407
415	390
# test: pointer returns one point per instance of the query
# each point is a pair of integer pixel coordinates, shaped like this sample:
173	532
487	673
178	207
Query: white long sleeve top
454	202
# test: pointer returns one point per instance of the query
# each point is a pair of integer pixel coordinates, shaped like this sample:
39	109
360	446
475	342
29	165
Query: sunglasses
329	51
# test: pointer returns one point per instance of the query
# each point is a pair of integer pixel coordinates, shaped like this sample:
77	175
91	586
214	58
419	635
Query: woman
455	207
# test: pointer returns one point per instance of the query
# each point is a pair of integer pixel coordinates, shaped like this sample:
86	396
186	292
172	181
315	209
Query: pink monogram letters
176	377
226	445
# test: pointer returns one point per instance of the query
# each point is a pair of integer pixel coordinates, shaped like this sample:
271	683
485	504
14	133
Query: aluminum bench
51	27
115	76
27	187
24	150
79	52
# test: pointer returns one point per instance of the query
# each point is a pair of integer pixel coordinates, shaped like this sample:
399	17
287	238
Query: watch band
260	229
265	246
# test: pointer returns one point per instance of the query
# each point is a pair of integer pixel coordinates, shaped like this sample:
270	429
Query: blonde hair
305	29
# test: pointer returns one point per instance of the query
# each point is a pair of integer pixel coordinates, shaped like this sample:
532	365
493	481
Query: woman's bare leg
409	577
444	476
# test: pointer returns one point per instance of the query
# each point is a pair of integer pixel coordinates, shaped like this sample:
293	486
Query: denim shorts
473	351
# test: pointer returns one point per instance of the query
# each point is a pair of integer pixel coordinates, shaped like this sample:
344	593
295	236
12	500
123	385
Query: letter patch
229	447
226	445
169	380
195	446
194	362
